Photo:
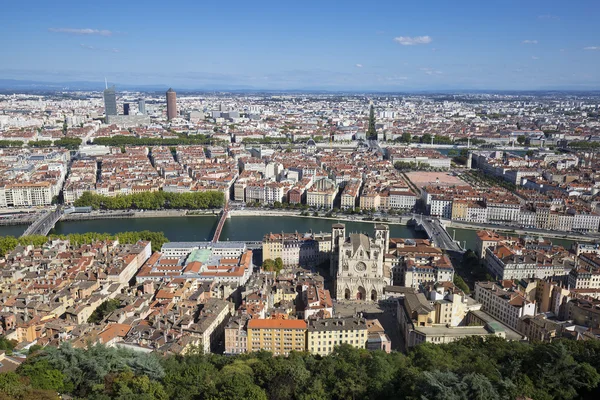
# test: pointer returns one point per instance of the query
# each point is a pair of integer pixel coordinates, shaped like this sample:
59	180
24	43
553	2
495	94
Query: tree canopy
104	310
123	140
152	200
471	368
273	265
8	243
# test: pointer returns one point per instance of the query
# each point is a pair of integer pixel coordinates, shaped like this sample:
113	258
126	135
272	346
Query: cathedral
357	263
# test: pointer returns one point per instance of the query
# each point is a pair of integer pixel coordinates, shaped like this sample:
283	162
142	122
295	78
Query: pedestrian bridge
224	216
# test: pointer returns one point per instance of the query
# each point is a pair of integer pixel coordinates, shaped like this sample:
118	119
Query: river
198	228
248	228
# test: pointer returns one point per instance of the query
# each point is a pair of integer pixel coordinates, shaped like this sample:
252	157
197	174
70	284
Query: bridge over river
436	232
44	223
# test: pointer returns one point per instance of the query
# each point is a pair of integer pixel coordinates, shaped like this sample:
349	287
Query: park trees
470	368
153	201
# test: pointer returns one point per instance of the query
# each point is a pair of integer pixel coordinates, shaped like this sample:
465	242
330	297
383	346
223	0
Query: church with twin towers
357	263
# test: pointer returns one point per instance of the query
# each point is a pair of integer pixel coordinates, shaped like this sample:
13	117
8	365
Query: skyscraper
142	106
171	104
110	101
126	109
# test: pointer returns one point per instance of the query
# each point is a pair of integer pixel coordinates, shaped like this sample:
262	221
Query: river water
198	228
248	228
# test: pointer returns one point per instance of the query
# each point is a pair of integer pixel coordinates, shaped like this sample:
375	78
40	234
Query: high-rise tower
142	106
171	104
110	101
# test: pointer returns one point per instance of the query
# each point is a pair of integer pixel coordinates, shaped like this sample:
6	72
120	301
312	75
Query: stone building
357	262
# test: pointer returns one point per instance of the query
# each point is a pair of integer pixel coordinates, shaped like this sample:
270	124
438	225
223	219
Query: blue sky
362	45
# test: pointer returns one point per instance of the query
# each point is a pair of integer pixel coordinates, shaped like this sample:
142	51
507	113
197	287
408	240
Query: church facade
357	263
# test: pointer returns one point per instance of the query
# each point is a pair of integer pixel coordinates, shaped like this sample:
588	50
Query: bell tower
338	235
382	237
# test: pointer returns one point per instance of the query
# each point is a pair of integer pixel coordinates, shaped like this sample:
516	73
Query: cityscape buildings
277	156
342	203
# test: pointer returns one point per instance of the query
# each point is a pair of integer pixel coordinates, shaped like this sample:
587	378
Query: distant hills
33	86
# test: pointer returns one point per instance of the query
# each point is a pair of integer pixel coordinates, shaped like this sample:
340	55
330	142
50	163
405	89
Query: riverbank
18	218
519	231
121	214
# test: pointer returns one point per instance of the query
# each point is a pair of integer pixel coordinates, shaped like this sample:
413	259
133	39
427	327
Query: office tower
171	104
126	109
142	106
110	101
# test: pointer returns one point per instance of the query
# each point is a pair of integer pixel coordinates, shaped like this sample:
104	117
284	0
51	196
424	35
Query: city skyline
387	46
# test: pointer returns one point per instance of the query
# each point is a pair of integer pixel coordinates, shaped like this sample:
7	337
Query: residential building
279	336
322	194
309	249
507	305
325	334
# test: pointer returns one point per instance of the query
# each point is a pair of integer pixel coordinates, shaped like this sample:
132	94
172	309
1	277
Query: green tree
406	137
461	284
127	385
406	166
12	385
273	265
103	311
521	139
278	264
42	376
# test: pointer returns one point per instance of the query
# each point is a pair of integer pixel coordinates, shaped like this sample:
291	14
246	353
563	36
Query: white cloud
530	42
86	31
359	65
592	48
535	58
411	41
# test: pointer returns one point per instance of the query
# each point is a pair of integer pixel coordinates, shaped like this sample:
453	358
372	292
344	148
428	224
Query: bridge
254	245
374	144
437	233
224	216
44	223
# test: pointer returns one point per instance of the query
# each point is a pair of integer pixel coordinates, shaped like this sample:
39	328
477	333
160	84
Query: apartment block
507	305
324	334
279	336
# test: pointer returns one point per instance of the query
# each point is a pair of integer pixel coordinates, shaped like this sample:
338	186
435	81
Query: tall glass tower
142	106
110	101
